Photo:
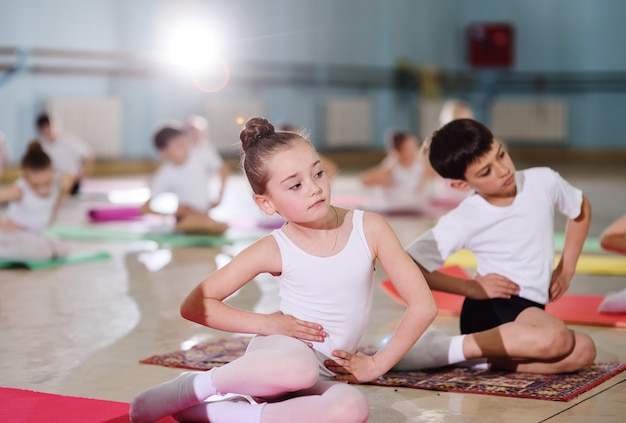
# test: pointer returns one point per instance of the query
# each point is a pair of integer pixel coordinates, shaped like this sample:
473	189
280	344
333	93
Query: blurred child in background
454	109
613	239
187	176
68	153
441	192
401	175
33	201
196	128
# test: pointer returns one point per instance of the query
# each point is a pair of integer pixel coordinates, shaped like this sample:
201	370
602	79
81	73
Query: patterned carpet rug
563	387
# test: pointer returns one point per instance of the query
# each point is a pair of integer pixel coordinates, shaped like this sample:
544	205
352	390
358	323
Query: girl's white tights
186	390
327	401
272	367
25	245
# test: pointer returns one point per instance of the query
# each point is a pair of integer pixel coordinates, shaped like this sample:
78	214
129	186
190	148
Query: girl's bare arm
11	193
204	305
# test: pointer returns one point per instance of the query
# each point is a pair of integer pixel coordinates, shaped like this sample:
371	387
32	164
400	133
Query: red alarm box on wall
491	45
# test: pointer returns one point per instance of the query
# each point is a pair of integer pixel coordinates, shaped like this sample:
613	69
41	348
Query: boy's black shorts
479	315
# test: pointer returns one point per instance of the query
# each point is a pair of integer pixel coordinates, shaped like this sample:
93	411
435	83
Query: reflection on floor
81	330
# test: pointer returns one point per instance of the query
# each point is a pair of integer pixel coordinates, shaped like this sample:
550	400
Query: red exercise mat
23	406
453	270
571	308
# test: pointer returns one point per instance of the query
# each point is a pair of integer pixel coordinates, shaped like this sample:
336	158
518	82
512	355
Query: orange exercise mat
574	309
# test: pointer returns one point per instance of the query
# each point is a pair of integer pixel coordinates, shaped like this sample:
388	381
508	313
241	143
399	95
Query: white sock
455	352
187	389
431	350
236	410
614	303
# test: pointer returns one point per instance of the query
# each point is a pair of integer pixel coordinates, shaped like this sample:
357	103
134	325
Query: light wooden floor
81	330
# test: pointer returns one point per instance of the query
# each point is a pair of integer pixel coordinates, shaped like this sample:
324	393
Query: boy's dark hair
42	120
164	135
457	145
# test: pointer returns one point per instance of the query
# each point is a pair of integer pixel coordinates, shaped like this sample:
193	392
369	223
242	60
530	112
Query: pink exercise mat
113	214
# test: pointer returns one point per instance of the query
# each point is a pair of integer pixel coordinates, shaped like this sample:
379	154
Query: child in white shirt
33	203
68	153
187	176
196	130
507	223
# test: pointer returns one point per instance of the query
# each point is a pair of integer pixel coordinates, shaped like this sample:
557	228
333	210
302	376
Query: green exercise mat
72	258
93	233
99	233
591	245
184	240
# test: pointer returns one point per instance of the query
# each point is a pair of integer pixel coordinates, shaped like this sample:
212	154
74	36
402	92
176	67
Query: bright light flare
192	47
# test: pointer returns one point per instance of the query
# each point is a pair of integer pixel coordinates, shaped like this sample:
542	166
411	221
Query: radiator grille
349	123
529	121
97	121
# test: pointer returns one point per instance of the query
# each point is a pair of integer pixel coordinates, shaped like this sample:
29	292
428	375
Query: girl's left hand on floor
353	368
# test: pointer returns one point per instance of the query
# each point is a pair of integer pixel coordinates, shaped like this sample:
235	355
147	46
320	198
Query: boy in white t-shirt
507	222
68	153
187	176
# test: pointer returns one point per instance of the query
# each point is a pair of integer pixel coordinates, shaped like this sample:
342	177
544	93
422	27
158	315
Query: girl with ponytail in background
33	201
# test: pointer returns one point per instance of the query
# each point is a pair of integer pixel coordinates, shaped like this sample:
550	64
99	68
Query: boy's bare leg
199	223
535	342
581	357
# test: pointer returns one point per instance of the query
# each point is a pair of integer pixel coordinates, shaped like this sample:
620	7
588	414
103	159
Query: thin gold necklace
286	229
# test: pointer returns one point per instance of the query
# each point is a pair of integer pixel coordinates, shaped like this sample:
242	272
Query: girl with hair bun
33	200
297	365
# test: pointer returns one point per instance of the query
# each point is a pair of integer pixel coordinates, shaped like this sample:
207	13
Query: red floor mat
573	309
23	406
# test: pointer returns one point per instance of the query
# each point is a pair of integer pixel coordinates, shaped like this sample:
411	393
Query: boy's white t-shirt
515	241
66	153
189	181
211	156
